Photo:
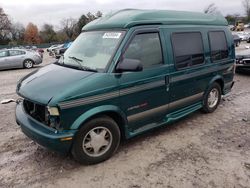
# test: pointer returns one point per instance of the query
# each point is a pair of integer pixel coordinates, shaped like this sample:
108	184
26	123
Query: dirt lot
202	150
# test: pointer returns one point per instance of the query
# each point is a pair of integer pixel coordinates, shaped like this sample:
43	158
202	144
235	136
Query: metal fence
44	45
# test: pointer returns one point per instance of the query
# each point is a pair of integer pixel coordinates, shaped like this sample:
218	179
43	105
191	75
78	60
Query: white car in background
244	36
52	47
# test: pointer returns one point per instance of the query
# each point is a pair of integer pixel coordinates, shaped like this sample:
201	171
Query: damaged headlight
53	111
53	118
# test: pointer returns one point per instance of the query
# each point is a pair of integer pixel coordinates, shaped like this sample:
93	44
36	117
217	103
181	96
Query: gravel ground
202	150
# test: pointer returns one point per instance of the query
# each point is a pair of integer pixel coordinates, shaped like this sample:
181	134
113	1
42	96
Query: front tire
212	98
28	64
96	141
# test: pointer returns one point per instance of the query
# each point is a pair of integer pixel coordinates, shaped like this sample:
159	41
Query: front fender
95	111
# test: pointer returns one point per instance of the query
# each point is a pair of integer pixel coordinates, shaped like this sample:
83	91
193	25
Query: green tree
83	20
90	16
48	34
61	37
232	18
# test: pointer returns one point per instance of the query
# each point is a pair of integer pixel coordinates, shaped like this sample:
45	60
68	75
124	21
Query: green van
125	74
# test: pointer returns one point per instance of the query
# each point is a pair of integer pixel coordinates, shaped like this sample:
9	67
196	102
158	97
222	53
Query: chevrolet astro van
125	74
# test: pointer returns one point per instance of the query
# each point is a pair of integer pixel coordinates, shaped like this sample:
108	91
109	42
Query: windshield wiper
76	59
81	66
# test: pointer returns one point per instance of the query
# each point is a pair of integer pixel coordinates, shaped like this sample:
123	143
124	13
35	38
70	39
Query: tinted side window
188	49
218	45
146	48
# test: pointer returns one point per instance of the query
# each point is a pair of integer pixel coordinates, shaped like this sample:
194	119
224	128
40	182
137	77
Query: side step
169	118
183	112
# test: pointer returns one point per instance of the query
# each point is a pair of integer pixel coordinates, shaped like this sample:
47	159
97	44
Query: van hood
45	83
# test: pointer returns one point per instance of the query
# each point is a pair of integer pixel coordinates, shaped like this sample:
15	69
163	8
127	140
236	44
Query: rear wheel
96	141
212	98
28	64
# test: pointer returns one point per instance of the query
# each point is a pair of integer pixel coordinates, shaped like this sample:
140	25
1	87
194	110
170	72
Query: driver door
144	95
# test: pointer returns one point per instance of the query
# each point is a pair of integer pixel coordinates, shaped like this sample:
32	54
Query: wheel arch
108	110
28	59
218	79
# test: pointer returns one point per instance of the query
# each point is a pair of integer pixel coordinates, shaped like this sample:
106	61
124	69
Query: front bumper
38	60
48	137
243	68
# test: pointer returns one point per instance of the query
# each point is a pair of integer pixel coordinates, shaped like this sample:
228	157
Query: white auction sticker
111	35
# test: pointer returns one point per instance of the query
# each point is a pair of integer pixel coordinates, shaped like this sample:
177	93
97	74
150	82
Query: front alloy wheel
96	140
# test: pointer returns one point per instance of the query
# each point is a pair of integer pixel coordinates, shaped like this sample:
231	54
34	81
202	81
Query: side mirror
129	65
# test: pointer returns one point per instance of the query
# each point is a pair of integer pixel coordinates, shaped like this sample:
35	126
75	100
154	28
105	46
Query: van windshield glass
91	51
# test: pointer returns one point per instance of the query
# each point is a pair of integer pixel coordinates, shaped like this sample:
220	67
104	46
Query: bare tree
246	6
4	20
69	26
17	31
210	9
5	25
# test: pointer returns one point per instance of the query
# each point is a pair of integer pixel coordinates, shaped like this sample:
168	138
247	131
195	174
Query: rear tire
96	141
212	98
28	64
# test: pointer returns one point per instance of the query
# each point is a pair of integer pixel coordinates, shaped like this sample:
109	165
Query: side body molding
100	110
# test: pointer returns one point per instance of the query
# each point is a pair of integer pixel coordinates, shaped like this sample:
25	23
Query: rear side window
188	49
16	52
145	47
218	45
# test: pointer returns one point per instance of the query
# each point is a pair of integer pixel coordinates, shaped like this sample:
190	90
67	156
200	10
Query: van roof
133	17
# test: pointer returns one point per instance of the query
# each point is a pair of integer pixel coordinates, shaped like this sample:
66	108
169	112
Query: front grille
37	111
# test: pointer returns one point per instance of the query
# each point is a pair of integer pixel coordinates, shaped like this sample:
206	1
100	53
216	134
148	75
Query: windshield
92	50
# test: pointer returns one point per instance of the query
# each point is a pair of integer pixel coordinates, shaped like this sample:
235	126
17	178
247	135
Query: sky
53	11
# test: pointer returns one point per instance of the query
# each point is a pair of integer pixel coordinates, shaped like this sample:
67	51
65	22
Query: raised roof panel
131	17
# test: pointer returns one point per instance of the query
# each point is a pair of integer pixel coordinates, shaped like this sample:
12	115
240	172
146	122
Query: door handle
167	81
